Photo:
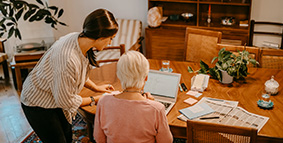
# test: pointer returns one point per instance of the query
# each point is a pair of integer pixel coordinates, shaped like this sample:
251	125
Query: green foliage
235	66
13	10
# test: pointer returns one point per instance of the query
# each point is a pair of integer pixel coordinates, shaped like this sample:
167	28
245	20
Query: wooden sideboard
167	41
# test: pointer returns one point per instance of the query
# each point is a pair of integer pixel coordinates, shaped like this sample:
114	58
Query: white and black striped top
58	77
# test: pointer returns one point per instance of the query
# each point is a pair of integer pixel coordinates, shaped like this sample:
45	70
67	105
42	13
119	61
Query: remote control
184	87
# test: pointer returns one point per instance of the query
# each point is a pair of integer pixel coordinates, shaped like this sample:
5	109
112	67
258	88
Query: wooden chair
271	58
254	51
205	132
3	59
127	38
253	31
201	44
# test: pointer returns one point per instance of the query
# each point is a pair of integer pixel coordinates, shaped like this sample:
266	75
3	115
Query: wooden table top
247	92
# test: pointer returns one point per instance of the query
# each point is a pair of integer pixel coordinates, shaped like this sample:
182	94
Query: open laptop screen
162	83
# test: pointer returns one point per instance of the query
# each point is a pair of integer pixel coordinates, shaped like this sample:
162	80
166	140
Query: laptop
164	87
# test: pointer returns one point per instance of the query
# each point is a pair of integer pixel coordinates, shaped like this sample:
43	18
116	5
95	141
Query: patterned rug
79	132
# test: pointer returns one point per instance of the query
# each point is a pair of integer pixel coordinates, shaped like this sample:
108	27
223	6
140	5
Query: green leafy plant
13	10
235	66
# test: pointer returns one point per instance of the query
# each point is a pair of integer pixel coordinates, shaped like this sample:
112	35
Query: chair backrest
3	55
2	49
201	44
110	54
207	132
271	58
129	32
254	51
127	38
263	32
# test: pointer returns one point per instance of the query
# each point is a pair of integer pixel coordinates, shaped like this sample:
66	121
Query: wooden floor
13	124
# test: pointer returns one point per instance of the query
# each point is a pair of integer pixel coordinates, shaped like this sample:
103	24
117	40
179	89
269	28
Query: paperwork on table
230	114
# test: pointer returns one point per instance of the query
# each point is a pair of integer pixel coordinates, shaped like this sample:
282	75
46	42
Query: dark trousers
50	125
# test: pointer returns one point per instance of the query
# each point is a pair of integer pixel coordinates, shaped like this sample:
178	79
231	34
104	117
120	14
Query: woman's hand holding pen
147	95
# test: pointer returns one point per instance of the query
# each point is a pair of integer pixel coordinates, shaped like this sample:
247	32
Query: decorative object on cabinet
187	16
154	17
201	9
264	32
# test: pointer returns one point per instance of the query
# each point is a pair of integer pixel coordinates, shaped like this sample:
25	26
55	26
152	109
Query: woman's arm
164	134
87	100
98	88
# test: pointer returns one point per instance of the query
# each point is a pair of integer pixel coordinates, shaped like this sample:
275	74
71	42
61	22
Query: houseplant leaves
13	10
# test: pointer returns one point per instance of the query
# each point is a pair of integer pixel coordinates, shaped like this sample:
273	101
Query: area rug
79	132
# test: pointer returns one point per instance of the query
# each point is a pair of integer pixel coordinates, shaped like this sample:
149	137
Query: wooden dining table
247	91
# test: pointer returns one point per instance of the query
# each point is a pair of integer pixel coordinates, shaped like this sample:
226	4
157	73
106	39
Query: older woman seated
131	117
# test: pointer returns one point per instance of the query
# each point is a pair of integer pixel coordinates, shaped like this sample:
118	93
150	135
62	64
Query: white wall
76	10
267	10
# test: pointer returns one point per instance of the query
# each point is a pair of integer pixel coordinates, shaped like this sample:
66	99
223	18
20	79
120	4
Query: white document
230	114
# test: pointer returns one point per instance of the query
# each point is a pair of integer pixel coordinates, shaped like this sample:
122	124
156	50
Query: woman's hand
147	95
105	88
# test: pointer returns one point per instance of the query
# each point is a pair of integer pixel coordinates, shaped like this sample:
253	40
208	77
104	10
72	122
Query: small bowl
174	17
187	16
228	21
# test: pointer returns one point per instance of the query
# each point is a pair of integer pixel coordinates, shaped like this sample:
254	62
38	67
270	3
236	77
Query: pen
204	118
180	88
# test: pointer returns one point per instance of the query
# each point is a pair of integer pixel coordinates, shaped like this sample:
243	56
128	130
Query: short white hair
132	69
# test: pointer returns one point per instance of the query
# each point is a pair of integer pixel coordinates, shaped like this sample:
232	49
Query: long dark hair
98	24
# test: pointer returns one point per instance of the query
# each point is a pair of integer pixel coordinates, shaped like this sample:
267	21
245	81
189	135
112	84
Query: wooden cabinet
239	10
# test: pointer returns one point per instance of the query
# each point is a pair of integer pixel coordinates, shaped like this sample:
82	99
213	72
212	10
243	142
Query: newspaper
230	114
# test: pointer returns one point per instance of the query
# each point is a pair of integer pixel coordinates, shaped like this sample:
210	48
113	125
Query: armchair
127	38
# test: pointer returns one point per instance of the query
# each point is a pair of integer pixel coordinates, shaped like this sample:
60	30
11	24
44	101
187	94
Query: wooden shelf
226	3
175	1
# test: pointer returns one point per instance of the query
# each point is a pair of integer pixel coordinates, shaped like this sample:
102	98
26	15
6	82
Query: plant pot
226	78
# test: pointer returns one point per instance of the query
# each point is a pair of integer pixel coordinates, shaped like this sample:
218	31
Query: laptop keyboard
166	104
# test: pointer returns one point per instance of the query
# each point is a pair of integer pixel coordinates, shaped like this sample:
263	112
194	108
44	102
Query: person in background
50	93
130	116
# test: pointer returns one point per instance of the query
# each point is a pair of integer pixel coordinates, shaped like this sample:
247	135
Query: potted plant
229	64
13	10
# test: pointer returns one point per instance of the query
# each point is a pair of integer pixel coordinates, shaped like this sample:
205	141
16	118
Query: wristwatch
92	101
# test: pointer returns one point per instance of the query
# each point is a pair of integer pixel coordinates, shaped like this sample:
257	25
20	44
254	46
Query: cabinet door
162	43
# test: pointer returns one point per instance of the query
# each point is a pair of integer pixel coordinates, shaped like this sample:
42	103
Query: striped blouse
58	77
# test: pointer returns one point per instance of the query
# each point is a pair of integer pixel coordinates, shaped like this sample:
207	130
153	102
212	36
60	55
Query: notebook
197	110
164	87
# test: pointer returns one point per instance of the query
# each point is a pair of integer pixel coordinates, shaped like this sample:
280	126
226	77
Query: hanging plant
13	10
